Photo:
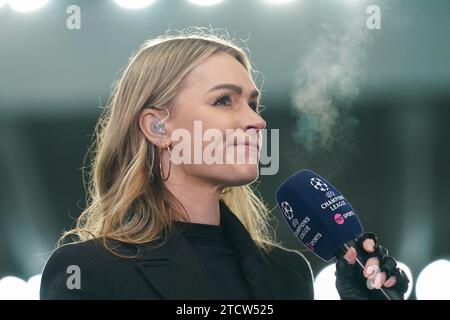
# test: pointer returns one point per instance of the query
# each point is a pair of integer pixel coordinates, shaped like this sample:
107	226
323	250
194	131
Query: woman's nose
254	121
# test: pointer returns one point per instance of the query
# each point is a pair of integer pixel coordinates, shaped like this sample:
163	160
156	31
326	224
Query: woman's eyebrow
235	88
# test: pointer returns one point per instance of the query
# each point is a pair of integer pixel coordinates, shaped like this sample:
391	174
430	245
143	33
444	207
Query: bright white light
26	5
325	284
205	2
408	272
133	4
13	288
433	283
34	285
2	3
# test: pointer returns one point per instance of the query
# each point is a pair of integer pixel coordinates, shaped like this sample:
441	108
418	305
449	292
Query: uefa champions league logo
287	210
318	184
330	194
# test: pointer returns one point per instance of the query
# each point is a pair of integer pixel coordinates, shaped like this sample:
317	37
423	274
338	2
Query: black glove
350	280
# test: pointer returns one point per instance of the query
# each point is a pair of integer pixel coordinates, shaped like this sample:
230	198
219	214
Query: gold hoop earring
170	165
152	163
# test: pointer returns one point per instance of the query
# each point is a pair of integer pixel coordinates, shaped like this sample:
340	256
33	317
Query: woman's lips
247	145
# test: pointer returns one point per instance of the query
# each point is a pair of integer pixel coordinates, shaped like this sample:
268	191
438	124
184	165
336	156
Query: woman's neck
201	201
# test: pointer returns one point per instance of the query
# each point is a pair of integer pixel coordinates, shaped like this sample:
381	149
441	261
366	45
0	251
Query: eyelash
255	107
221	97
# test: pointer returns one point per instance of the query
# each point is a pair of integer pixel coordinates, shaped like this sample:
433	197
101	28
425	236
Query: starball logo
318	184
287	210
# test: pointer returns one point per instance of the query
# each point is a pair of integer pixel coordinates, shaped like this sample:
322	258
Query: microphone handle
389	293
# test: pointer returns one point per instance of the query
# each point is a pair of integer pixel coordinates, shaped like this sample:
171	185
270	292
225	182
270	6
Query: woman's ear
153	124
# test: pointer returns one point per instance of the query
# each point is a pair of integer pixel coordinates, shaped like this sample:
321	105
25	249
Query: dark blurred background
388	152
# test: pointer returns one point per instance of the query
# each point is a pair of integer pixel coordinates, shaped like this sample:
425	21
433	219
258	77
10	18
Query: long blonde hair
127	200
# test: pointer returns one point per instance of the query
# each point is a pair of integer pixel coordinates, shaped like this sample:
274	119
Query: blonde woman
155	228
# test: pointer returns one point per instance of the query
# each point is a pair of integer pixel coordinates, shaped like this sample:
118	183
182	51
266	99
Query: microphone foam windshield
317	213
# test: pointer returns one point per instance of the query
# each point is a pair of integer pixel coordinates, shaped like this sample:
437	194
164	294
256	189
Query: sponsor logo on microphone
340	218
311	244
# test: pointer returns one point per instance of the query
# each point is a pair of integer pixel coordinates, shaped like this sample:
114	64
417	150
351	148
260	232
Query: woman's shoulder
78	270
75	250
93	250
88	252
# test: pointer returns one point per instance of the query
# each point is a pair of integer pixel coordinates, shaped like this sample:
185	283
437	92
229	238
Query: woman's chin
242	174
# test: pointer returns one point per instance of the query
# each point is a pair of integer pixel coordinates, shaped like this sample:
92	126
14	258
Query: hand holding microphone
324	221
376	271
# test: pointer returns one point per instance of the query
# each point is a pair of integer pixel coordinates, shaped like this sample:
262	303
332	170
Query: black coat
173	270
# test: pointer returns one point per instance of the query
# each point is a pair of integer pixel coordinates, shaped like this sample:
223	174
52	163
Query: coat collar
175	271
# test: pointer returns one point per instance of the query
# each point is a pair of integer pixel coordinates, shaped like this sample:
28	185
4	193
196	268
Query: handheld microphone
321	217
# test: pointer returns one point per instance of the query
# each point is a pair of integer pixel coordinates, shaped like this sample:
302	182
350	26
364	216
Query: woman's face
218	95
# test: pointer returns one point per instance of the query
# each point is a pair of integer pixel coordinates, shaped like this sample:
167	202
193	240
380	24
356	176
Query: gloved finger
388	265
402	280
371	268
369	245
377	280
350	256
390	282
345	269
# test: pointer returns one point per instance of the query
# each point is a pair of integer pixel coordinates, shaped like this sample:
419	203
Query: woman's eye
223	100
